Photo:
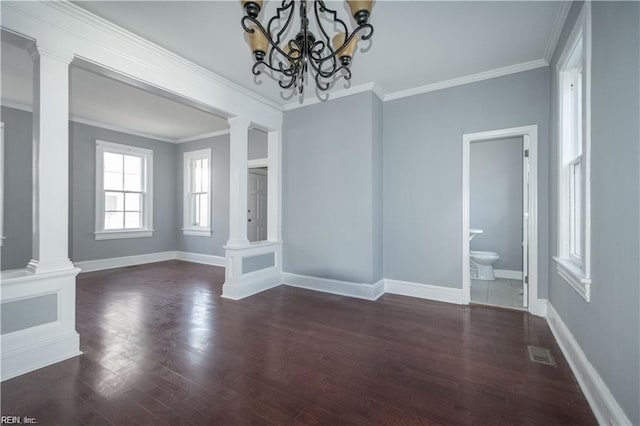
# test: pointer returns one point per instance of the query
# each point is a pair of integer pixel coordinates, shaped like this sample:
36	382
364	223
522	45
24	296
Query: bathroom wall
495	199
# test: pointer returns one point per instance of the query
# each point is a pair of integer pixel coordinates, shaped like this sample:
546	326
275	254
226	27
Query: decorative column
241	282
49	282
238	169
50	160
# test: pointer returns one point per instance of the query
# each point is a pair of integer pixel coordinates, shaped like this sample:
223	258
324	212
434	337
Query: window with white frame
124	182
197	193
573	76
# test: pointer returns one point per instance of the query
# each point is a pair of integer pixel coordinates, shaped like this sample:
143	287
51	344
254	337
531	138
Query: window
123	191
573	78
197	193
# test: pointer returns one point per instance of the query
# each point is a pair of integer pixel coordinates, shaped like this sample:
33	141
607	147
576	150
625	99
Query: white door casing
530	135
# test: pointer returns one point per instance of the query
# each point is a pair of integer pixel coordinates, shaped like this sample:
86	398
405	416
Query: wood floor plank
160	346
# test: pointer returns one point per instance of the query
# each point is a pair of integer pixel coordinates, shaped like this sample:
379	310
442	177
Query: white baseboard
605	407
41	354
507	274
206	259
141	259
121	262
424	291
342	288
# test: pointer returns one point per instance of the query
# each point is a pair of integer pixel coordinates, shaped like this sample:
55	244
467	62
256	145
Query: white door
525	221
257	205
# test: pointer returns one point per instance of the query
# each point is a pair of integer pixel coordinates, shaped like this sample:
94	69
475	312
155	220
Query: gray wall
377	125
328	181
495	199
423	171
83	245
608	327
220	197
18	169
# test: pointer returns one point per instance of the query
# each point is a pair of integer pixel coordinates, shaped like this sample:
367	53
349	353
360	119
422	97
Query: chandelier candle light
328	57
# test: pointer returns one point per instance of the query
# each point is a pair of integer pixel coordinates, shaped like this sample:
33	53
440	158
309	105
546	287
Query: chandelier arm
286	4
318	61
324	86
360	28
259	26
334	15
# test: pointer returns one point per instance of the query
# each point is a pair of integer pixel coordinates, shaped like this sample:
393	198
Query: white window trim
147	154
577	274
187	228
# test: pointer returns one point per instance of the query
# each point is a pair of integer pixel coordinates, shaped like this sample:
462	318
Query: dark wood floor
161	347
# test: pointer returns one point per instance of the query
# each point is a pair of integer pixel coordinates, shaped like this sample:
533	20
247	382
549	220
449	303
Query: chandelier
327	57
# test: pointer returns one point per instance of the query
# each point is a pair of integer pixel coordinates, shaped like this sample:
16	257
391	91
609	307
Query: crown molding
119	129
385	97
76	119
367	87
558	25
204	136
498	72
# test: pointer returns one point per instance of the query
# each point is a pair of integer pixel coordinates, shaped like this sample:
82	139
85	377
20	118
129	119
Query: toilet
482	264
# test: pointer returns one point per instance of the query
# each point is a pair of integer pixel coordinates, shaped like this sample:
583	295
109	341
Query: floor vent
541	355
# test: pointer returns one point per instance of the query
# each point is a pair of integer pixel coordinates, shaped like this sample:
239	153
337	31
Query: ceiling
416	43
95	99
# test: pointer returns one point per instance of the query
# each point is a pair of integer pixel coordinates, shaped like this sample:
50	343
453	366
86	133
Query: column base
31	345
39	267
238	284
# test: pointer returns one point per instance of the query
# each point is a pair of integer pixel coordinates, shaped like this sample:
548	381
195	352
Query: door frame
536	306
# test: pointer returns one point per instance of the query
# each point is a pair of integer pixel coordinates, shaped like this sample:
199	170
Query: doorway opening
499	241
257	184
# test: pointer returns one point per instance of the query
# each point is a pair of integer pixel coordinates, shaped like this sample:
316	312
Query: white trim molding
205	259
558	25
507	274
425	291
341	288
76	119
575	270
486	75
530	135
121	262
202	136
188	206
143	259
146	157
604	405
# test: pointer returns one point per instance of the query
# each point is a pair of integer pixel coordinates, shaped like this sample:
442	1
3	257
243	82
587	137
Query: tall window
123	191
573	157
197	193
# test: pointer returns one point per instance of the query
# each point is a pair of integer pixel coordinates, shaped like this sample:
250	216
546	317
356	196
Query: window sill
575	276
197	232
116	235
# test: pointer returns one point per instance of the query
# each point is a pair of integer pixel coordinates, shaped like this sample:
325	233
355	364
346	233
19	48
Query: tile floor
501	292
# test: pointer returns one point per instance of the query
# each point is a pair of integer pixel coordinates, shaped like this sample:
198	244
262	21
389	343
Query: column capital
38	50
239	122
